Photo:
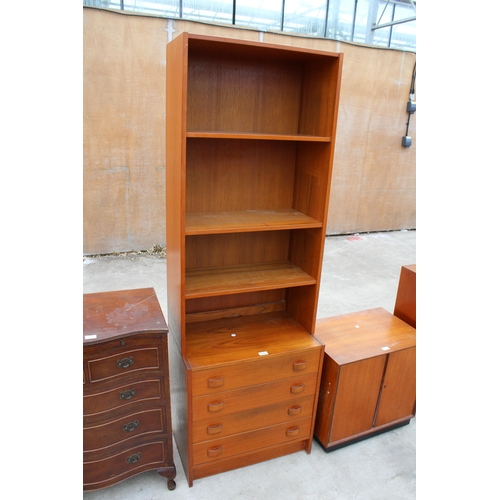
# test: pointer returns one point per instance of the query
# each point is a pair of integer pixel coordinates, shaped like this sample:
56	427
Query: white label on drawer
385	348
88	337
263	353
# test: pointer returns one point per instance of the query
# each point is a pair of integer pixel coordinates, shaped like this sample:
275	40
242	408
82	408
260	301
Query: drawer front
118	466
126	361
119	430
250	441
216	428
256	372
123	396
257	396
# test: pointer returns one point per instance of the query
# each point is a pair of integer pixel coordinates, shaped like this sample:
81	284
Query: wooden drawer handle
215	406
294	410
214	382
214	429
299	365
296	388
292	431
214	451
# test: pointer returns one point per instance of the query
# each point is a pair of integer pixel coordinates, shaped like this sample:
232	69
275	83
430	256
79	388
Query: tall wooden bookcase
250	142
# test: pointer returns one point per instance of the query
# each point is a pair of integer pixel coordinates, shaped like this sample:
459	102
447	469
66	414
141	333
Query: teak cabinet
369	376
127	427
250	140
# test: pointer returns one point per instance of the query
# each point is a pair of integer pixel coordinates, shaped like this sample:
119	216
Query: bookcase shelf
229	340
253	135
206	282
247	221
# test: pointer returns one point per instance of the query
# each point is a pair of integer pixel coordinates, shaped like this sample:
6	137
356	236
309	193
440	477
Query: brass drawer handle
131	426
215	406
292	431
214	382
125	362
294	410
214	451
299	365
128	394
214	429
296	388
134	458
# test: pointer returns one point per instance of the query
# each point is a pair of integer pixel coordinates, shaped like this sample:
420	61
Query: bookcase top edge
257	44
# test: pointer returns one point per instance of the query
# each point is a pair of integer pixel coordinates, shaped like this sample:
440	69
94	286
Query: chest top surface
355	336
123	312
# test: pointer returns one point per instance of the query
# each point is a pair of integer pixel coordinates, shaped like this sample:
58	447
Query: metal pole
326	17
354	19
392	23
390	29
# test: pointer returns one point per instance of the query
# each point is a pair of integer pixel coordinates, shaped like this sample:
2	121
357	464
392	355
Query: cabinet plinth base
357	439
209	469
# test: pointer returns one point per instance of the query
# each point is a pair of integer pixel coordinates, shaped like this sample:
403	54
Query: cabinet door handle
125	362
131	426
134	458
299	365
128	394
215	406
292	431
213	382
215	451
296	388
294	410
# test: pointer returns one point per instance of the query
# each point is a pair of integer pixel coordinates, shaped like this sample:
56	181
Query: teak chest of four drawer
126	398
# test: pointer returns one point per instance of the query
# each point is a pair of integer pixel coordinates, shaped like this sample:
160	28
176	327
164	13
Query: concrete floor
359	272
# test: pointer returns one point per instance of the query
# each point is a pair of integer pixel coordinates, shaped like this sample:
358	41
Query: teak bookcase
250	142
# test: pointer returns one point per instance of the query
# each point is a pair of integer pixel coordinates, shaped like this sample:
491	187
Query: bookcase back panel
229	93
235	249
227	175
235	301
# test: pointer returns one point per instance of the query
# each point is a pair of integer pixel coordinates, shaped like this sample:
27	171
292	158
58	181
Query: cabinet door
399	388
357	396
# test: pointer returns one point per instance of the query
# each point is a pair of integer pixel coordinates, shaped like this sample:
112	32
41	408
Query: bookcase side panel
319	97
175	193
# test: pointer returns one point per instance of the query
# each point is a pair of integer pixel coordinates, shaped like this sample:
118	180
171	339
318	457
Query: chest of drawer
225	425
250	441
110	469
122	396
262	370
257	396
123	362
119	430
